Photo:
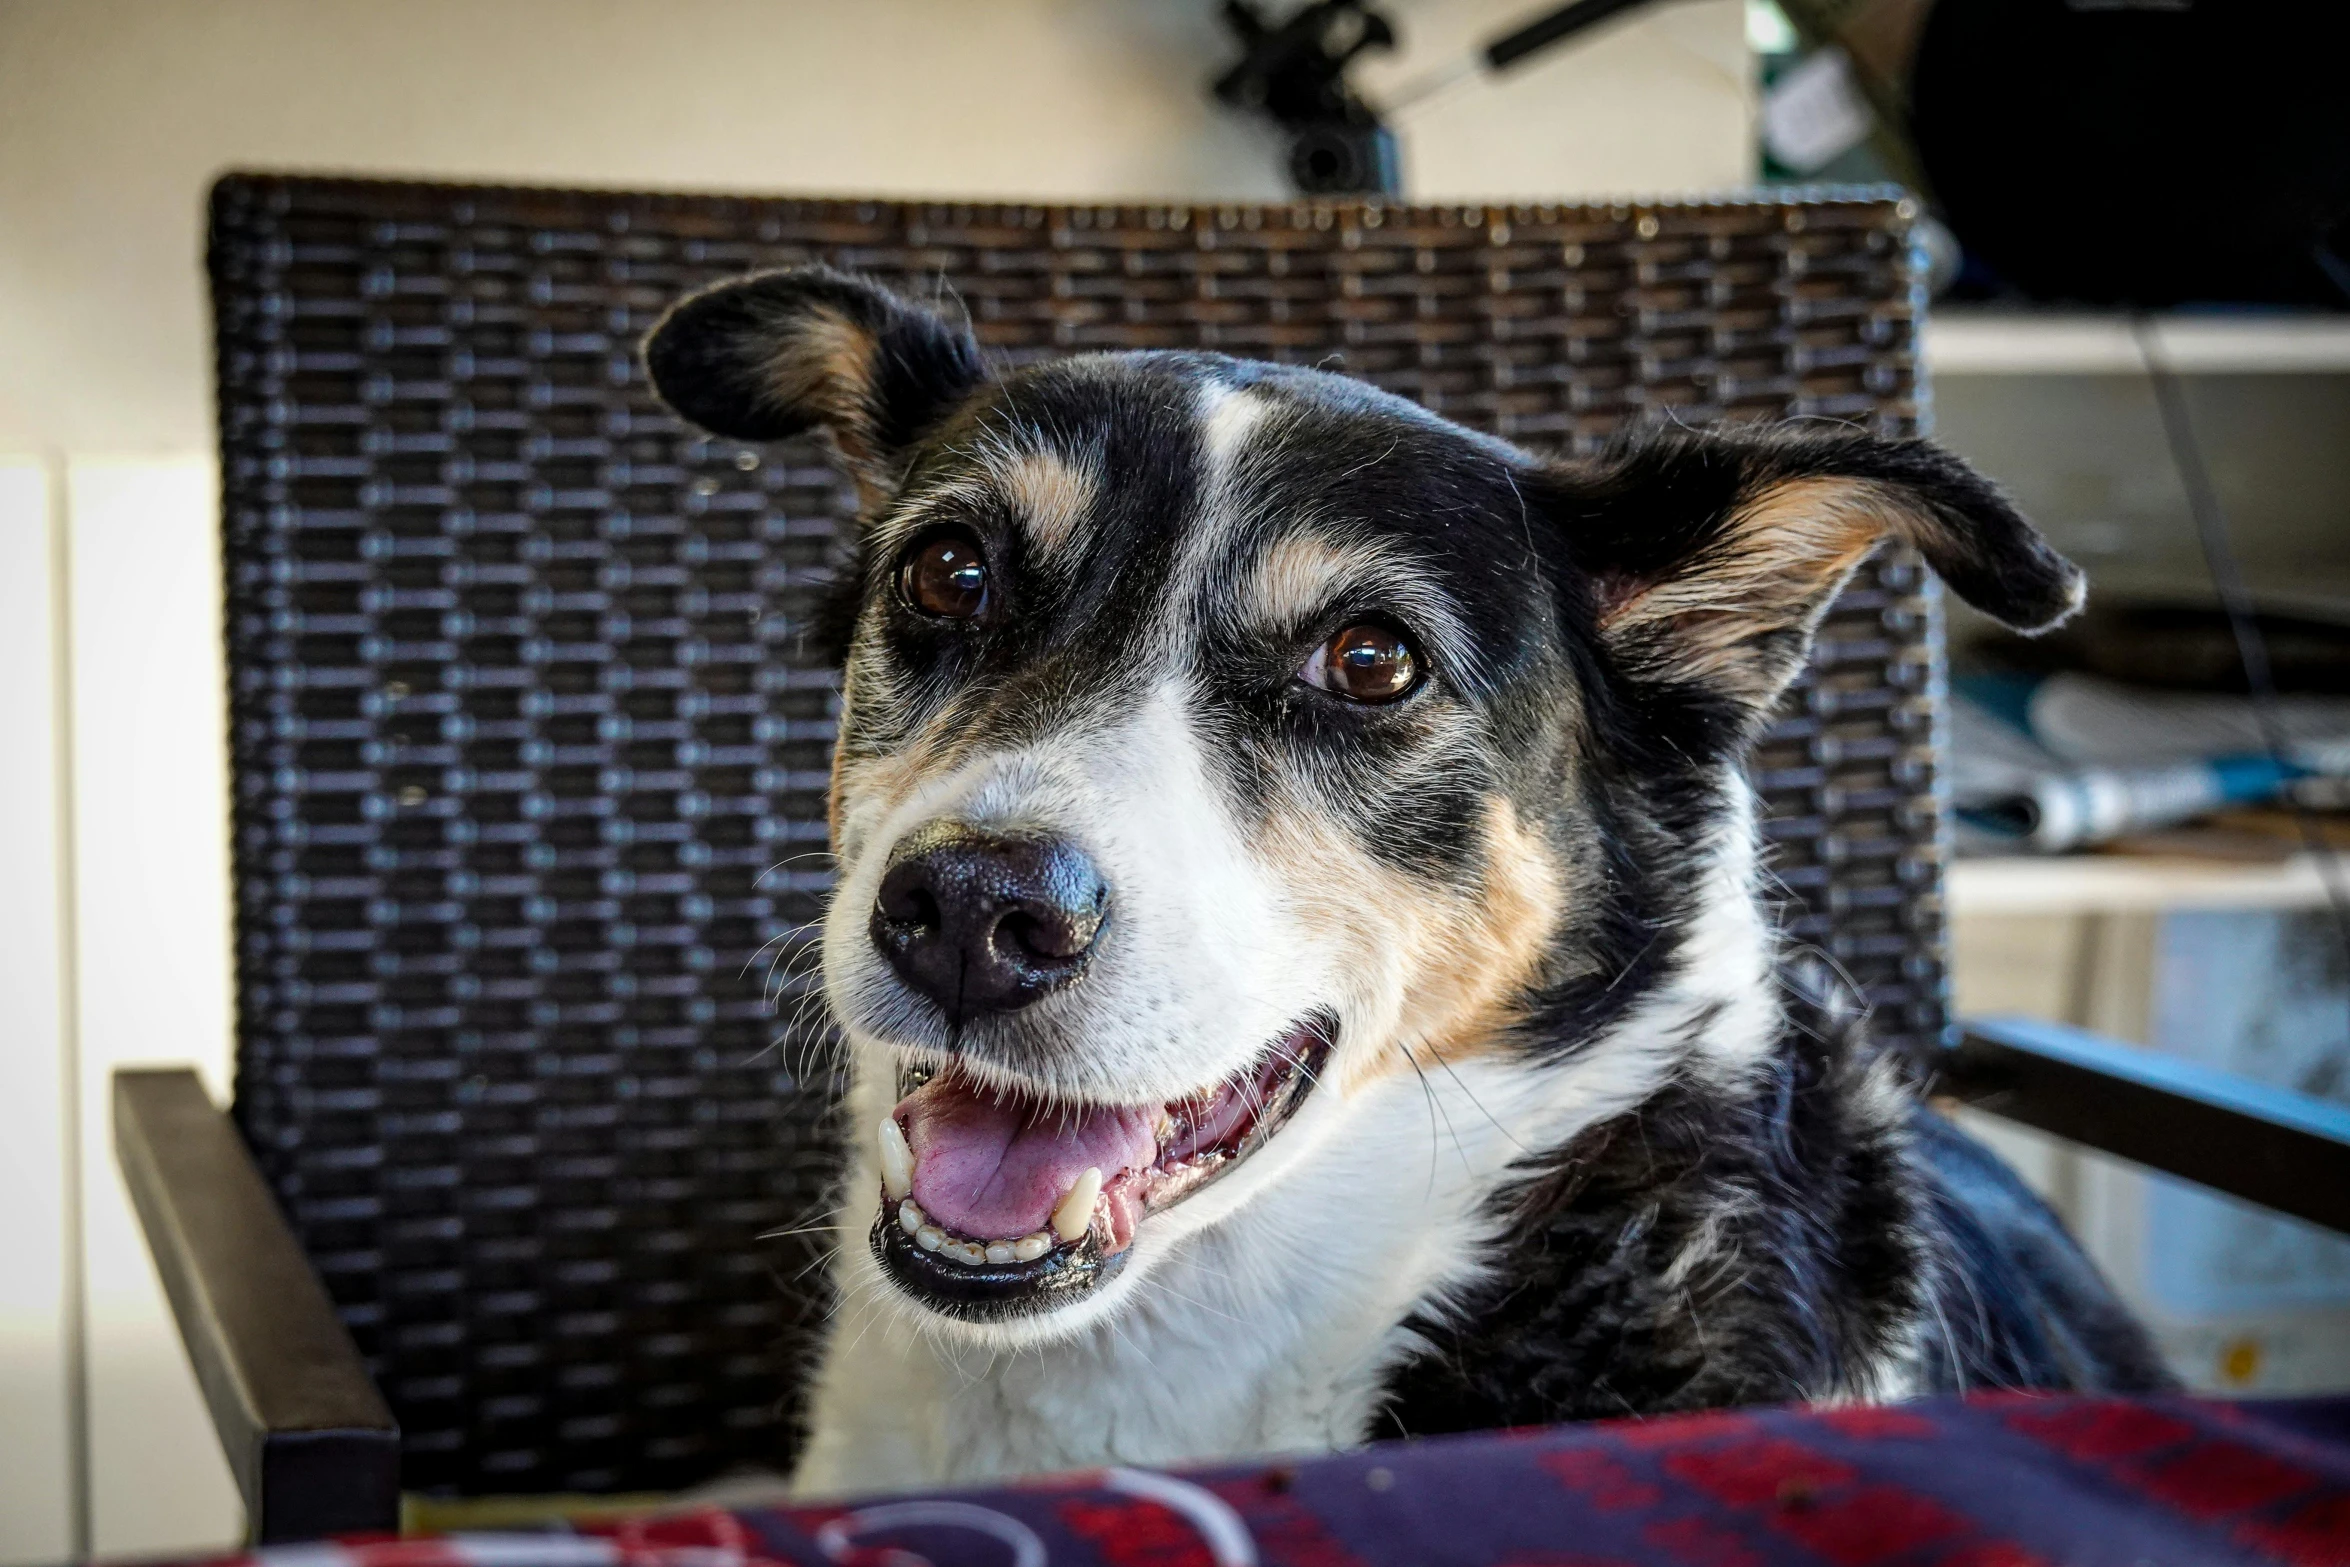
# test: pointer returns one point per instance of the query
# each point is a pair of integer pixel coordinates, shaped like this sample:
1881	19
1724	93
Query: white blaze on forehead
1229	415
1229	418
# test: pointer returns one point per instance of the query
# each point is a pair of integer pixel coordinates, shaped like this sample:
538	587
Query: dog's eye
945	576
1364	663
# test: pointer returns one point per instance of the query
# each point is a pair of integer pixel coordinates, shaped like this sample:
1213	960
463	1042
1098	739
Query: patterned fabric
2009	1481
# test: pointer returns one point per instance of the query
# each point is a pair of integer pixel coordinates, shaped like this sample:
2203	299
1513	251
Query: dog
1298	929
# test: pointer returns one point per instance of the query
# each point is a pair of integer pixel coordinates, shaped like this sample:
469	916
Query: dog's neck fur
1278	1328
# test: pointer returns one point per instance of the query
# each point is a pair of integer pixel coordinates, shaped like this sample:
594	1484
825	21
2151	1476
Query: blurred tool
1294	72
2048	763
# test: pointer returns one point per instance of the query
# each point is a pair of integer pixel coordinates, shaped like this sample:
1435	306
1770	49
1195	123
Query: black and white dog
1298	926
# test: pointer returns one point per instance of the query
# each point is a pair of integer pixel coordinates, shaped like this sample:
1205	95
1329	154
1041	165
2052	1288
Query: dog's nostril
913	908
1049	940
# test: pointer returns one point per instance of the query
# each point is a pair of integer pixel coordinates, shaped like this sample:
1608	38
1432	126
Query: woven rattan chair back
529	761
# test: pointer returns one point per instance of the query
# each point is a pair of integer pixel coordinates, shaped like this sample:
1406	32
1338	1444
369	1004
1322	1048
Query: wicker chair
529	765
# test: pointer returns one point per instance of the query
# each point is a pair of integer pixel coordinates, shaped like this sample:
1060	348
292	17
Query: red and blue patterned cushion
1988	1482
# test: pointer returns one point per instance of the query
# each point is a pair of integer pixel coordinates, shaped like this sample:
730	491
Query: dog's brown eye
945	576
1364	663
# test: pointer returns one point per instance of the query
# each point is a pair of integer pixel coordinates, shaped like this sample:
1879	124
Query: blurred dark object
1554	27
2141	152
2178	647
1294	72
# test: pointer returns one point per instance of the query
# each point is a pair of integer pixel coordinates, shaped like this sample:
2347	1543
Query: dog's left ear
768	356
1710	557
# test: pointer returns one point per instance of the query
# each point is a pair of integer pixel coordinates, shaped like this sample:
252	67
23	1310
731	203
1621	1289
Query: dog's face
1219	740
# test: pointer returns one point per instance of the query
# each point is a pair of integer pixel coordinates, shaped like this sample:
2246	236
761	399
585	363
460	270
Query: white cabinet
114	922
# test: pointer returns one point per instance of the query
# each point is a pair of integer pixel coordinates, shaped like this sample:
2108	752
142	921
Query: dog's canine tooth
1030	1247
930	1237
910	1218
897	1161
1074	1216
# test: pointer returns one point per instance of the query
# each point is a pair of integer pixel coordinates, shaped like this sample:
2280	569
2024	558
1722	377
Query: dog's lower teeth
972	1254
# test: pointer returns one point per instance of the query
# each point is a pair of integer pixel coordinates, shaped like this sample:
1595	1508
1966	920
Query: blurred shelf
2118	883
1960	342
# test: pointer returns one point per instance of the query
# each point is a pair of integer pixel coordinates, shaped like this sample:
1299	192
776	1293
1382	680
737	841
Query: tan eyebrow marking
1299	576
1050	494
1295	579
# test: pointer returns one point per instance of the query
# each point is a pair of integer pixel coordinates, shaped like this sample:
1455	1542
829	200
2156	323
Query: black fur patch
1822	1236
741	360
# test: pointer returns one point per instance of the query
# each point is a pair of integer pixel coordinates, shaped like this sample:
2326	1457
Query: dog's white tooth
897	1161
910	1218
999	1252
971	1254
1030	1247
1074	1216
930	1237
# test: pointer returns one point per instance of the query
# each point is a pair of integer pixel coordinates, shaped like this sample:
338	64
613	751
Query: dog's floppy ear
1710	557
766	356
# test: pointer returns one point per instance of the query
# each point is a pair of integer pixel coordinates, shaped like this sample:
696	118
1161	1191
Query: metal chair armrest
2271	1146
310	1441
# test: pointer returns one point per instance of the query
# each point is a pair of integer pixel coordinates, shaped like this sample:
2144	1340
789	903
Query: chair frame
1546	324
315	1452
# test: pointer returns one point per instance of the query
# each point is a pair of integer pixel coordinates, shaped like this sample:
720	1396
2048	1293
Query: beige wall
115	115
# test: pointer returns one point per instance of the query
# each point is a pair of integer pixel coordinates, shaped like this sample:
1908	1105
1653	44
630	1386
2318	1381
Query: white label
1814	113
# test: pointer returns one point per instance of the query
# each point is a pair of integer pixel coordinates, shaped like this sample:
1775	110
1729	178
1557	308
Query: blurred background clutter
2134	236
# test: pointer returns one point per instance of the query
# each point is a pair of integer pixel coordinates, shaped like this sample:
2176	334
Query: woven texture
529	762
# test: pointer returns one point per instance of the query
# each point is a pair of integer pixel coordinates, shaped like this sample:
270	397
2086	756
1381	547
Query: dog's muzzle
999	1199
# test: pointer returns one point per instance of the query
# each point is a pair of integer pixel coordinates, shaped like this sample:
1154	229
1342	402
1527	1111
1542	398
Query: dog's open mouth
997	1201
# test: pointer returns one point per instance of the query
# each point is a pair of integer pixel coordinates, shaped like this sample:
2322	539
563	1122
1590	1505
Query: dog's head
1219	740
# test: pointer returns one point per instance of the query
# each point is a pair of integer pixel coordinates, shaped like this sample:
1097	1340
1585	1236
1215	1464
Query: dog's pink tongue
994	1169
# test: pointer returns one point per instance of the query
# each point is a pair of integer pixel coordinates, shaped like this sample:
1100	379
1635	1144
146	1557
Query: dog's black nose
985	923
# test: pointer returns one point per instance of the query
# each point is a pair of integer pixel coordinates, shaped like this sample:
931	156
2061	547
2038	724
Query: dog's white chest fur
1290	1369
1269	1332
1272	1330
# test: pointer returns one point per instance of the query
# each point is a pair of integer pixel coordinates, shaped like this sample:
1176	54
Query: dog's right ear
771	355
